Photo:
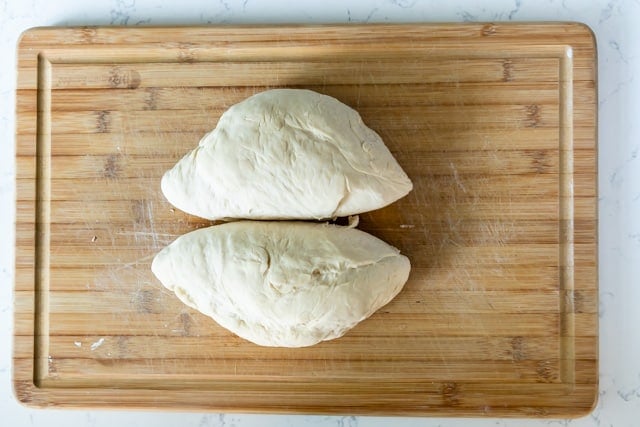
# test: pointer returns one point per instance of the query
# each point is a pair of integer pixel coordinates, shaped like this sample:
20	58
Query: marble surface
615	23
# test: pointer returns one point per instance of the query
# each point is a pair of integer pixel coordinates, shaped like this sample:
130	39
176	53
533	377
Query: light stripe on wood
464	233
184	98
480	348
505	117
414	299
419	165
380	325
172	143
81	277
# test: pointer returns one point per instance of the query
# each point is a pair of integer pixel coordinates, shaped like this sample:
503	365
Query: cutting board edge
25	396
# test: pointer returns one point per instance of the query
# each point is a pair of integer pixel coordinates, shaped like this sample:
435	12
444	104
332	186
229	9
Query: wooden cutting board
494	123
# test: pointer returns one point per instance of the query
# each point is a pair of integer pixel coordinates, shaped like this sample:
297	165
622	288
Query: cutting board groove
494	123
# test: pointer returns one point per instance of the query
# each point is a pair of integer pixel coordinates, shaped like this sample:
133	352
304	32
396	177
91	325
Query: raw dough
286	154
286	284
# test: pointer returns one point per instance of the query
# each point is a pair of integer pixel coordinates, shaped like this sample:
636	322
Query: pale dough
286	284
286	154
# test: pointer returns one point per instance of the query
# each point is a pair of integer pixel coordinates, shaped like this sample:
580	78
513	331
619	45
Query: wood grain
495	125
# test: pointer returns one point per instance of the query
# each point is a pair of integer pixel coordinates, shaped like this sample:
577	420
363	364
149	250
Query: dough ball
286	154
285	284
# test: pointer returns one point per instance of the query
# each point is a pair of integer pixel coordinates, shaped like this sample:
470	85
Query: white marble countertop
615	23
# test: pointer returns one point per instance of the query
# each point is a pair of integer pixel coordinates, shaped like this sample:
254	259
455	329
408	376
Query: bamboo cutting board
496	126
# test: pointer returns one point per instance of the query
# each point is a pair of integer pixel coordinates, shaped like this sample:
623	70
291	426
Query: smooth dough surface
286	154
285	284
